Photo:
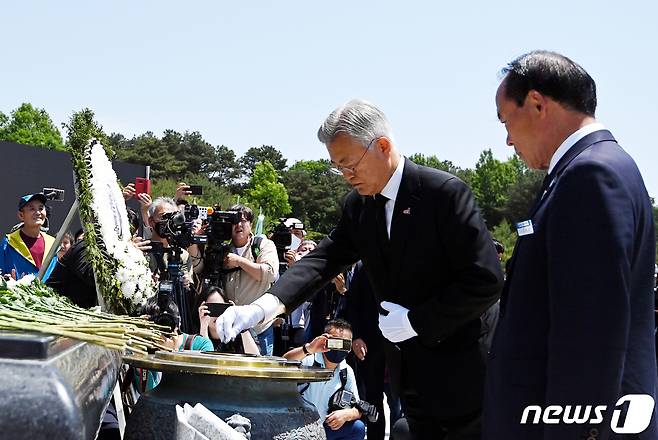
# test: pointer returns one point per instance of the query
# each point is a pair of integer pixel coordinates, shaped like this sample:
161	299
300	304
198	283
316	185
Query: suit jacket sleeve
474	269
333	255
590	237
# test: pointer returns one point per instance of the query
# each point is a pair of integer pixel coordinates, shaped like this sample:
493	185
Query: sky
245	74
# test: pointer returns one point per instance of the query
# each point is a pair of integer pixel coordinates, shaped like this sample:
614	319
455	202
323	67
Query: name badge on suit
524	228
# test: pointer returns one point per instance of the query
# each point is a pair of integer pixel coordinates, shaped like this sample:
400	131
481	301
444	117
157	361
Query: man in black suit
576	313
430	261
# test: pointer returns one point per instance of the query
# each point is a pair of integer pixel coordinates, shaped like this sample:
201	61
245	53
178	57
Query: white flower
26	280
122	274
128	289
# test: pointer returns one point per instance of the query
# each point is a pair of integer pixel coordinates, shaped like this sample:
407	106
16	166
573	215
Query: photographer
255	266
336	400
157	210
169	262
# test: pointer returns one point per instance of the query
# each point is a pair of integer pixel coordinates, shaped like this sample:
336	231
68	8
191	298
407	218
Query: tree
30	126
504	233
225	169
444	165
147	149
265	191
521	194
316	194
261	154
491	181
191	149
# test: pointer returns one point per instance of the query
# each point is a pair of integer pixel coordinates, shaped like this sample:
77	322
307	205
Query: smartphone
142	185
339	344
216	309
196	190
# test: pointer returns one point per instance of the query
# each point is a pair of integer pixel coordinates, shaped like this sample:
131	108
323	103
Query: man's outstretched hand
236	319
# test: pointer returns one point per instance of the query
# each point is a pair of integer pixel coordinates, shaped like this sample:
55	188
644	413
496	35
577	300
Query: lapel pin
407	211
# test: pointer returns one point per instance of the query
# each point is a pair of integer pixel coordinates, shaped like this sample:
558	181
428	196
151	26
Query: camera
164	301
343	399
54	194
177	229
219	230
195	212
282	238
220	224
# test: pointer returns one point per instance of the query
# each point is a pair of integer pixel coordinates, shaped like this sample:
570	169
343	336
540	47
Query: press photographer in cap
336	400
22	251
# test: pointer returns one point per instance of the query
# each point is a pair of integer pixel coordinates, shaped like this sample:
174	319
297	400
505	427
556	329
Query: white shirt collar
393	185
571	141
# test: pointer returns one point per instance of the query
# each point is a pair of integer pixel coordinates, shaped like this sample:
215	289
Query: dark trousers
370	377
420	424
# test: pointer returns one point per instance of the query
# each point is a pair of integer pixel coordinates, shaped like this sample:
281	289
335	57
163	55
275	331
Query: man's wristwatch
306	352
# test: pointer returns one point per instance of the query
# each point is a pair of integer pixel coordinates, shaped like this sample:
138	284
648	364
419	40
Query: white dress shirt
390	191
571	141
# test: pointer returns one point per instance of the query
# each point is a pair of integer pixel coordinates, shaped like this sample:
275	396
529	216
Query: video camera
220	224
177	229
165	297
282	237
219	230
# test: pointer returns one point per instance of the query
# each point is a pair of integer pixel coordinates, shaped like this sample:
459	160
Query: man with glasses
430	261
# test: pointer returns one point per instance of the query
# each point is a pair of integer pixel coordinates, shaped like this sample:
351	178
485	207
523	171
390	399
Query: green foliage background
261	178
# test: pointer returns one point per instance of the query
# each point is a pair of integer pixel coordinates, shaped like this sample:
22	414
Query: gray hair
159	202
357	119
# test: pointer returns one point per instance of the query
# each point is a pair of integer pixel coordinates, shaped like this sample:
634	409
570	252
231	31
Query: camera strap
255	247
343	378
189	340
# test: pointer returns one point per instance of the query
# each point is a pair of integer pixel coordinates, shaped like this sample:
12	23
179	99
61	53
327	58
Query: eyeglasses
351	171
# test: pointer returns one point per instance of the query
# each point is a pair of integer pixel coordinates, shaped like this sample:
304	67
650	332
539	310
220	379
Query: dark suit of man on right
576	322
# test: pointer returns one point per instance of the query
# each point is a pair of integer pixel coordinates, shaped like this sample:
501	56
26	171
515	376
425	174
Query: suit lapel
571	154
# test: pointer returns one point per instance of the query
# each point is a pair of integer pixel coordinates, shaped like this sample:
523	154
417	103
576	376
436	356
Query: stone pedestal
53	387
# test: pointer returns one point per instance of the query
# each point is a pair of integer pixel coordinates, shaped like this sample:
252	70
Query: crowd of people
406	298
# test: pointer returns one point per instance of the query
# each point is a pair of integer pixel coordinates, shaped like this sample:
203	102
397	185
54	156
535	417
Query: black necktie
380	217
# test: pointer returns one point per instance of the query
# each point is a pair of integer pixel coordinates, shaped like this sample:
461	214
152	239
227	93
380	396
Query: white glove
236	319
396	326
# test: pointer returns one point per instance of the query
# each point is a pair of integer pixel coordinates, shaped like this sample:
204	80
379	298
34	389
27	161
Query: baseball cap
29	197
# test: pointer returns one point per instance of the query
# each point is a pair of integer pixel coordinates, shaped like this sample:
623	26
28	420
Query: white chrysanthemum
123	274
128	289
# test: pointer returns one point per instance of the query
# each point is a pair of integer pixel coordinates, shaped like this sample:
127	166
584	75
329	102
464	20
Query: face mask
336	356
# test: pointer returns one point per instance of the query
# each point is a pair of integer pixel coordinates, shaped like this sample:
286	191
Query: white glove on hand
396	326
237	319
